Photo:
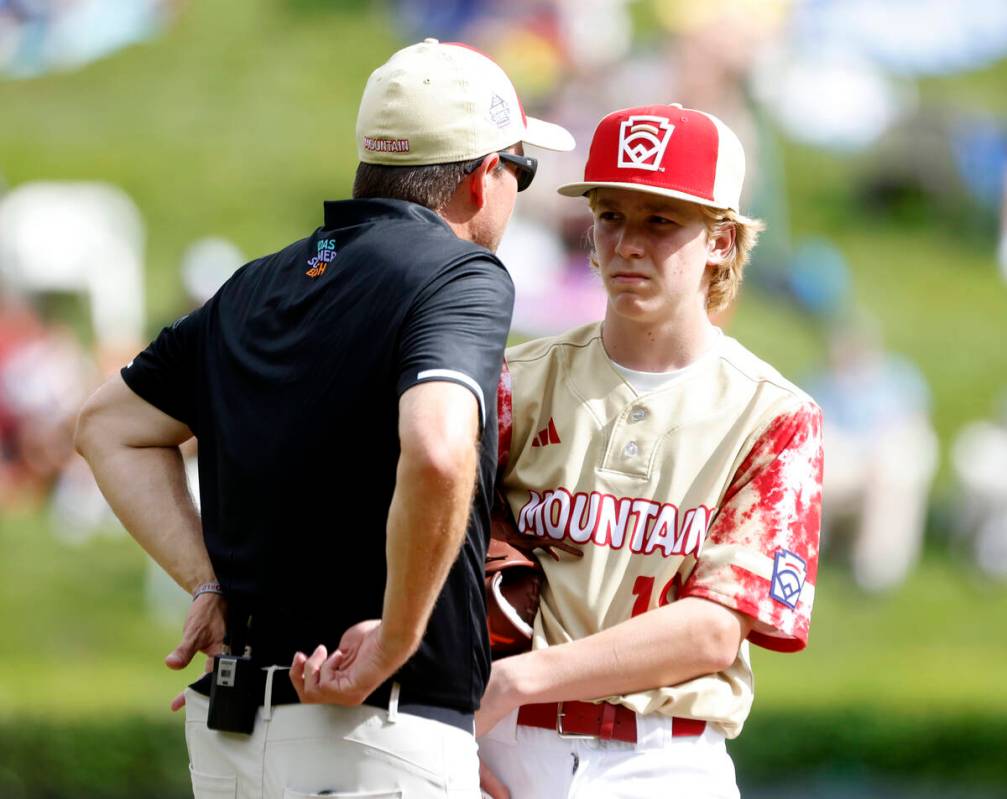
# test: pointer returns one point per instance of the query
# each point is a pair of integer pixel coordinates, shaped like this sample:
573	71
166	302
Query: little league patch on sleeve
789	573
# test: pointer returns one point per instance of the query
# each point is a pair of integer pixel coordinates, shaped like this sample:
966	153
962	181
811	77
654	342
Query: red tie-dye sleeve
505	418
761	555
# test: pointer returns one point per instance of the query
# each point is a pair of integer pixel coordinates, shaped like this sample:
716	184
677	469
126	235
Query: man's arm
427	519
665	646
132	448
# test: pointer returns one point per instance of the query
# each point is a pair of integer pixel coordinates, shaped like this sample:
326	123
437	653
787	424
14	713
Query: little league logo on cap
642	141
667	150
434	103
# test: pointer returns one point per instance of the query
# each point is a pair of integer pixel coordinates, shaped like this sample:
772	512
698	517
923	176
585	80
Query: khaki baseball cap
434	103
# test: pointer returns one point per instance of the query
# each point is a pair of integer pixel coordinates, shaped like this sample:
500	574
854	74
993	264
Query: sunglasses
524	167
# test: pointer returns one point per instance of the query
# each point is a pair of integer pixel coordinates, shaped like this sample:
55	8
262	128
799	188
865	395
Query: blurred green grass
930	647
78	635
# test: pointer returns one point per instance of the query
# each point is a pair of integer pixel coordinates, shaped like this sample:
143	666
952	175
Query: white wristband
212	587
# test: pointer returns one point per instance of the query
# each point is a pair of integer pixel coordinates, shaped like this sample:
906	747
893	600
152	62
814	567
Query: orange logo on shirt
326	253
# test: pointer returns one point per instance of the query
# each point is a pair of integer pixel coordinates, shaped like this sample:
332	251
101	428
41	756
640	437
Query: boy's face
652	252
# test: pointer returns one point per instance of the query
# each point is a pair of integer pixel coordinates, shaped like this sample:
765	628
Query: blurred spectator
44	377
555	287
914	166
595	33
713	61
39	36
940	163
831	97
818	278
909	37
441	19
979	143
85	239
207	263
979	459
1002	250
824	89
880	455
843	76
19	327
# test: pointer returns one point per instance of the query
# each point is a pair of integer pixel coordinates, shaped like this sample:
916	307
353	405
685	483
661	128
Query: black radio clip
236	692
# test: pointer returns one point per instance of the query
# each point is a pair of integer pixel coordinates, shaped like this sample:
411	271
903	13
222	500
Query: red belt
605	721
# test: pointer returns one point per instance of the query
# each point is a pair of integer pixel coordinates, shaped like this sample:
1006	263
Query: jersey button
631	450
638	414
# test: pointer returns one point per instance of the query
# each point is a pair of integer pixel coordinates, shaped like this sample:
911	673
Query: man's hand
350	674
203	631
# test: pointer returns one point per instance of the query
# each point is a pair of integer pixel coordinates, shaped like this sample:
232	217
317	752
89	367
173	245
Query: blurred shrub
962	750
108	759
120	758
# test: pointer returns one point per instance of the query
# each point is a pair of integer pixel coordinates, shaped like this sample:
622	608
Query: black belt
381	697
283	693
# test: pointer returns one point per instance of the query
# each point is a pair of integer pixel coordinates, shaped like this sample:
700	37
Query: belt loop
267	699
393	704
606	729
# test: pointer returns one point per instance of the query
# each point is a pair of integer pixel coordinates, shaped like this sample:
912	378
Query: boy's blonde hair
725	277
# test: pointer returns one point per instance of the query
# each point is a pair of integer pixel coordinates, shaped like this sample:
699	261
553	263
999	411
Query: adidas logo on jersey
547	436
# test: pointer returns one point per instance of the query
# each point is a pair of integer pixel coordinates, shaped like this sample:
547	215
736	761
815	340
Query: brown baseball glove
514	580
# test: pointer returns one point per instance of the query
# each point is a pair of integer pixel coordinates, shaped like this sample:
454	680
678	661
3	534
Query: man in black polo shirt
342	392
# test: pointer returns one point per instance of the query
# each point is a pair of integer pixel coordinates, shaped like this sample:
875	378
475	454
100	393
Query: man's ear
478	181
720	246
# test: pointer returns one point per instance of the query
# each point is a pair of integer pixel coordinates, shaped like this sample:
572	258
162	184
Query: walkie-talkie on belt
236	688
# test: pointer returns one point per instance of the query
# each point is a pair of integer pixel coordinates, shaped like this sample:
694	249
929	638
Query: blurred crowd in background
39	36
833	74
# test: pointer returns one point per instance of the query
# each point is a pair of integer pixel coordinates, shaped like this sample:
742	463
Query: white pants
537	764
301	751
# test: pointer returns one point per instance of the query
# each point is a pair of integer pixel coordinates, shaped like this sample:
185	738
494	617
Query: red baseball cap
667	150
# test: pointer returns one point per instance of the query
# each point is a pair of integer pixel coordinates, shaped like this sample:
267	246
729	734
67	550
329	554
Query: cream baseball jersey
708	487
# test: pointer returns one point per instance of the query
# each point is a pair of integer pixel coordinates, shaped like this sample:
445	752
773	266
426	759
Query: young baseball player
687	472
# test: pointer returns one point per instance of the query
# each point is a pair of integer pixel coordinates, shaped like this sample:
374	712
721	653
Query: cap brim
580	189
548	135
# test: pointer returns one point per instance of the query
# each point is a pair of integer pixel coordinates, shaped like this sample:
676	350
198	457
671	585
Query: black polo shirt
290	378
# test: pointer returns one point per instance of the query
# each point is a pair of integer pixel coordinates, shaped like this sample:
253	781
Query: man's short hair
430	186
